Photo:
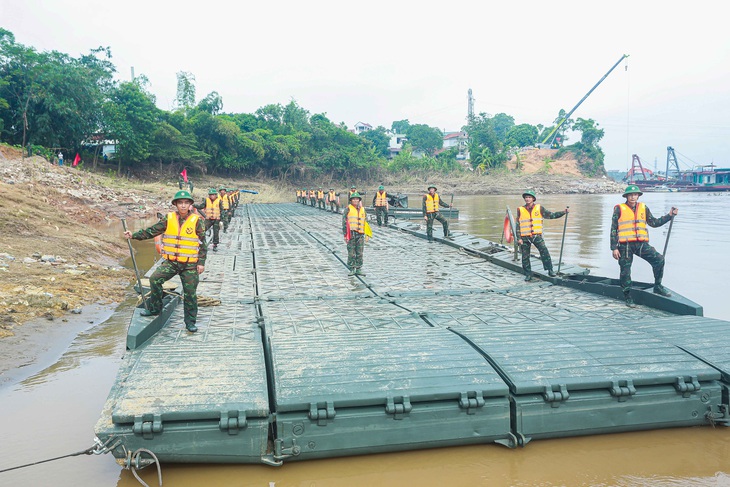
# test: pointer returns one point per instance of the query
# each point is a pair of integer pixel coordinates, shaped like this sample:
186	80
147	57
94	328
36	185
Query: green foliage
425	138
380	140
400	126
185	98
522	135
130	117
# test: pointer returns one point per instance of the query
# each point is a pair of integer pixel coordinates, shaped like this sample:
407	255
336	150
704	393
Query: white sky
379	61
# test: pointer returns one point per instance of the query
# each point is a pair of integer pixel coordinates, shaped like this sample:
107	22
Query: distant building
361	127
396	143
105	147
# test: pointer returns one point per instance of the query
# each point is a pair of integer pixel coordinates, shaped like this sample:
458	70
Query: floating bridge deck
437	345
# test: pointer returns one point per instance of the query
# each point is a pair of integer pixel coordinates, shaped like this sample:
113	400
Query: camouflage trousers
430	217
225	219
189	276
216	229
355	248
646	252
320	204
539	243
334	207
312	202
380	213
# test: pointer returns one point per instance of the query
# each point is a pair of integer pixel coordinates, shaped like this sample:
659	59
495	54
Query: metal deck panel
366	368
705	338
183	376
583	356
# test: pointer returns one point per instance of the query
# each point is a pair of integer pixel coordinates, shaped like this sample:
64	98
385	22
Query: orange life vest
180	243
381	198
530	221
212	209
632	225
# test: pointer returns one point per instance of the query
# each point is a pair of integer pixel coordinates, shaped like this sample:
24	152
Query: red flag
184	174
77	159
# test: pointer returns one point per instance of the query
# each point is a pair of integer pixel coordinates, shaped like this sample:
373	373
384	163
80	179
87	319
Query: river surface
49	408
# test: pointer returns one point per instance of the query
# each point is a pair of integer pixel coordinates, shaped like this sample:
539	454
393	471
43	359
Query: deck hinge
280	453
322	413
233	421
623	389
687	388
400	409
556	394
147	425
471	401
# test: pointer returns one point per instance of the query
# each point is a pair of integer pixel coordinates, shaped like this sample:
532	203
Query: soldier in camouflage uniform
184	253
353	228
213	208
528	228
629	237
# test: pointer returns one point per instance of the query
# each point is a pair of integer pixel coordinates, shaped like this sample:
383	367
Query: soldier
226	213
312	197
184	252
213	210
528	228
353	227
334	200
353	189
299	195
630	236
431	203
320	199
380	203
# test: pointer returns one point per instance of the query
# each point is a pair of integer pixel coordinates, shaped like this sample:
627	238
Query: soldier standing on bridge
334	200
380	203
528	227
353	227
431	203
184	251
213	210
630	236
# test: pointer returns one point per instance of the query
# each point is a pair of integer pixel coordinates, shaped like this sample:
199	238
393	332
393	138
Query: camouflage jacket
546	214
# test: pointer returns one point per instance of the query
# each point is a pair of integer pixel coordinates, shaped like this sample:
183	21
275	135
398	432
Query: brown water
51	410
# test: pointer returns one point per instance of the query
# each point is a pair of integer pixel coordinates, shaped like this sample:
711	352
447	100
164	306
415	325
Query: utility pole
133	74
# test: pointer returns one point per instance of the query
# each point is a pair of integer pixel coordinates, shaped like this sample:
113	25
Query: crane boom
562	121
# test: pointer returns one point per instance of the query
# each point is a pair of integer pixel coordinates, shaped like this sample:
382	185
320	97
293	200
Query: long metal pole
451	204
669	232
562	242
134	263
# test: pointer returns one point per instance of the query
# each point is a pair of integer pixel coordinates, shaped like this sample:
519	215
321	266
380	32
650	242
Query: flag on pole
77	159
184	174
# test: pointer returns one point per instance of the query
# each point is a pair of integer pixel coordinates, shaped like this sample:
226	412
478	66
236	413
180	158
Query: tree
425	138
212	103
522	135
379	139
502	124
185	98
590	133
400	126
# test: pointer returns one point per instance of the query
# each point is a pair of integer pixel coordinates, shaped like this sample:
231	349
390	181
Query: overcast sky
379	61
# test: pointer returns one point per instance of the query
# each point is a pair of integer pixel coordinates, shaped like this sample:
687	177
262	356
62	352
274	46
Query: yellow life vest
226	202
351	192
356	219
432	203
180	243
530	222
632	225
311	193
212	209
331	196
381	198
320	195
299	193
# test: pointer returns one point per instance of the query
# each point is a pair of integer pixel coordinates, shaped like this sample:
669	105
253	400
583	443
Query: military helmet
632	188
353	187
212	191
432	186
222	188
355	195
182	195
381	187
529	192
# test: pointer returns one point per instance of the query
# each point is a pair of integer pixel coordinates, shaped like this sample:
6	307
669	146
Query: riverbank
60	243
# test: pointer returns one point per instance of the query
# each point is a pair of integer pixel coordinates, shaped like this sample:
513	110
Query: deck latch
687	388
556	394
399	409
471	401
233	421
147	425
322	413
623	389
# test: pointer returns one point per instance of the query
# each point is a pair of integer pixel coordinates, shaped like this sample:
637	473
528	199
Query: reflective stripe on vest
432	203
320	195
632	225
212	209
331	196
311	193
530	222
180	243
356	219
226	203
381	198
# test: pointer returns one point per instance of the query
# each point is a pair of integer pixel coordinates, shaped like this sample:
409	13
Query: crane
548	141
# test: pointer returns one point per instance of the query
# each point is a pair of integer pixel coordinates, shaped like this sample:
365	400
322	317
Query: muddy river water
49	405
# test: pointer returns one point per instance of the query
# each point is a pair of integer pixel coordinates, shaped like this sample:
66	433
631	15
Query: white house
361	127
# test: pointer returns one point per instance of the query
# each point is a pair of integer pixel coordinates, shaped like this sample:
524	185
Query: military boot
551	273
352	272
146	312
629	301
528	276
661	290
191	328
358	272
